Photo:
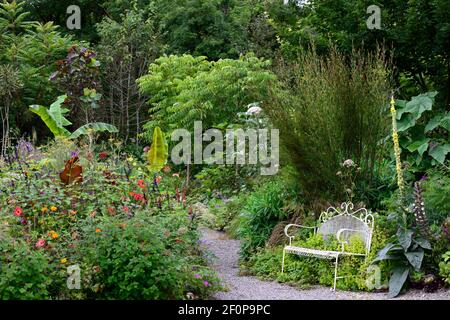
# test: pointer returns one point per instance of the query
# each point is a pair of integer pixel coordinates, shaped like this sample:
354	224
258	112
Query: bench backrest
335	219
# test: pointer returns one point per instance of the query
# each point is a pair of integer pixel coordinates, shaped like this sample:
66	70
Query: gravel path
225	252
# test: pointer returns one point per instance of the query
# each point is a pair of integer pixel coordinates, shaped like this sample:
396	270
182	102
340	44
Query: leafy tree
37	53
32	49
92	12
212	28
423	138
417	32
13	19
185	89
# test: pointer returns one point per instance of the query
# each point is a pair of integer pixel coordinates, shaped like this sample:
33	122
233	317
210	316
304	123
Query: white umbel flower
254	111
348	163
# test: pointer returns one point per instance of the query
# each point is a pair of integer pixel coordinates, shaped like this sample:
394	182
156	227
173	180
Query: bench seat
312	252
341	223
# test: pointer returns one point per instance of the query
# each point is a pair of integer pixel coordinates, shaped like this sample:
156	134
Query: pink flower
18	211
40	243
147	149
206	283
176	175
197	276
126	209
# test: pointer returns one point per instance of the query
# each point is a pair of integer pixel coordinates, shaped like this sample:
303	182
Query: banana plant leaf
53	117
96	127
158	154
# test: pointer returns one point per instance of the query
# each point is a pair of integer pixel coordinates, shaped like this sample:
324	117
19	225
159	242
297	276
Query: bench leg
335	273
282	263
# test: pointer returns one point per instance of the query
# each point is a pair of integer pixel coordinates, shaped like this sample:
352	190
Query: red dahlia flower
141	184
103	155
138	196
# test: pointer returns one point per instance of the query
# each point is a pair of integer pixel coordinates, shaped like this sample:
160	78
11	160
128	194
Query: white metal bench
342	222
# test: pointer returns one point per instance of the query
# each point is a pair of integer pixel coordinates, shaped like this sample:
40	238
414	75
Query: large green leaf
158	154
384	254
433	123
400	105
424	243
420	104
423	148
53	117
57	113
404	238
445	122
95	126
420	145
415	258
439	153
397	280
407	121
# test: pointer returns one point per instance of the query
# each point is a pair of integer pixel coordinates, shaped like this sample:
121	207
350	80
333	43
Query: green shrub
217	179
222	212
299	271
261	213
436	194
25	272
144	258
184	89
444	267
423	132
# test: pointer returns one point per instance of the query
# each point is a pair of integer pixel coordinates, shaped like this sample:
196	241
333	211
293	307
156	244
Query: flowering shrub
130	234
147	257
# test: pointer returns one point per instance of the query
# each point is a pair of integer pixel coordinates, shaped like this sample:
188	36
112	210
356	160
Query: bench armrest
295	225
343	242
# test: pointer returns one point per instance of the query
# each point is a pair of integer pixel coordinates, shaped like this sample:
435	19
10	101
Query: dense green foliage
417	31
424	139
444	267
186	88
328	112
260	215
86	176
28	52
